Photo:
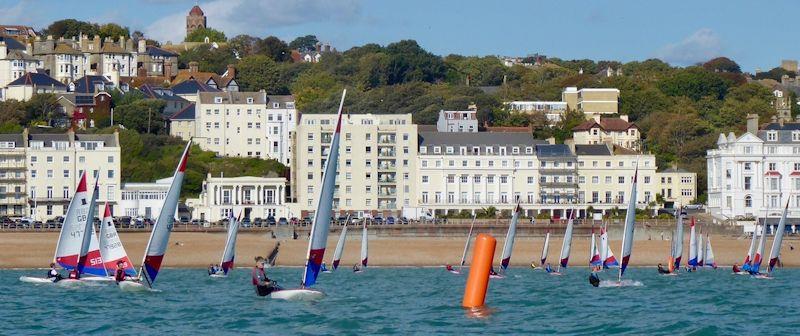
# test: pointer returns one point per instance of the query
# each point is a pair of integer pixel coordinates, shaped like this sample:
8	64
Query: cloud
16	14
255	17
701	46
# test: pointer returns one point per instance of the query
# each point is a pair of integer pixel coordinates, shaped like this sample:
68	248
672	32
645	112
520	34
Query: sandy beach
198	249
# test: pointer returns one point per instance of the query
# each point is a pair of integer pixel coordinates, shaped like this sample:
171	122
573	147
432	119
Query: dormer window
437	150
217	100
276	105
772	136
449	150
795	135
423	150
528	150
249	100
515	150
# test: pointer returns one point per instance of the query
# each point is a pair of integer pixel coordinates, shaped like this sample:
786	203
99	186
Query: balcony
387	206
391	180
551	184
387	139
385	152
557	170
8	180
46	200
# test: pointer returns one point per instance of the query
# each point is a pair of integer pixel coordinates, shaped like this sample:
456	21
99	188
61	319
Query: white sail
318	240
775	251
508	245
159	237
606	255
364	246
709	260
71	236
692	245
545	248
566	244
337	253
749	257
701	252
630	220
677	241
594	253
229	253
111	248
467	243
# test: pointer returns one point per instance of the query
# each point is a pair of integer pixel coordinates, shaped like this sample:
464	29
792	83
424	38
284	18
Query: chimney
192	66
596	118
141	46
752	123
231	71
624	117
168	69
551	140
115	77
3	50
774	119
327	48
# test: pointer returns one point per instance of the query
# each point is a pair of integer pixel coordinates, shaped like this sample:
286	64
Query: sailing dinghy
594	253
677	245
775	251
111	248
159	237
545	247
566	246
70	238
364	249
508	244
229	252
755	267
701	250
692	263
606	255
627	237
709	260
466	248
748	259
337	253
318	237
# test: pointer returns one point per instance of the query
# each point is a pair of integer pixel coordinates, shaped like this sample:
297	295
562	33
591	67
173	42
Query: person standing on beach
260	280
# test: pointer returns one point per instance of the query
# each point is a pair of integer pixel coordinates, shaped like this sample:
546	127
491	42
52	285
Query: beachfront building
250	197
755	173
473	171
23	88
678	187
614	131
605	175
377	160
143	199
592	101
14	61
13	175
552	110
558	178
55	163
240	124
458	121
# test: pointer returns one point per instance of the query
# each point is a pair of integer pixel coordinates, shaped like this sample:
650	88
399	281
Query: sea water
410	301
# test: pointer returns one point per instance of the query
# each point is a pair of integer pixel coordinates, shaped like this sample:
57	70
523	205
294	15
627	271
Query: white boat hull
35	280
300	294
97	279
133	286
496	276
218	275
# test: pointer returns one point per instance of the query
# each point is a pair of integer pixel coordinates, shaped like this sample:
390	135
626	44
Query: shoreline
26	250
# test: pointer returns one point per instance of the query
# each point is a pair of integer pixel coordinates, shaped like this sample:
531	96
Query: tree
113	31
244	45
695	83
200	34
274	48
209	59
722	64
143	116
258	72
69	28
409	62
776	74
13	112
304	43
42	107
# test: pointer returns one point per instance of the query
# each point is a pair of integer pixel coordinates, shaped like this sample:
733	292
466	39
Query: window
531	180
464	178
773	166
424	178
748	166
772	136
595	179
647	180
476	179
451	179
747	182
748	201
110	173
110	159
621	179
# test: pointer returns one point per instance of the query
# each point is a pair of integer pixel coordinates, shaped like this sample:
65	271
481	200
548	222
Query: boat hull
300	294
133	286
35	280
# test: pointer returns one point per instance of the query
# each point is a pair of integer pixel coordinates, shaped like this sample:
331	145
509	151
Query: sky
754	34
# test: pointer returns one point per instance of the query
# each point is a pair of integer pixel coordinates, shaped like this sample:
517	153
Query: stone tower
195	19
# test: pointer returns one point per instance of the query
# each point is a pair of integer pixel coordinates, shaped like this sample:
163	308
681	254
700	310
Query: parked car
306	221
246	222
271	220
283	221
390	220
38	225
341	220
402	220
184	219
377	220
258	221
693	207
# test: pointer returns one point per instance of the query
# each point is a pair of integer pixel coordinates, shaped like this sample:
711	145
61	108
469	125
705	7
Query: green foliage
543	215
243	45
69	28
304	43
490	212
113	31
258	72
275	48
10	127
209	59
143	116
695	83
722	64
776	74
200	34
481	71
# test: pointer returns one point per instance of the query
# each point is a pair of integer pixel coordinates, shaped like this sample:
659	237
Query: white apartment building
552	110
13	168
615	131
240	124
473	171
252	197
754	174
605	175
377	162
55	162
143	199
14	63
458	121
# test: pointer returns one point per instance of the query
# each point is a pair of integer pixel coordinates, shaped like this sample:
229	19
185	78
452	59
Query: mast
466	244
337	253
322	221
630	220
545	247
508	245
364	246
88	231
566	244
677	240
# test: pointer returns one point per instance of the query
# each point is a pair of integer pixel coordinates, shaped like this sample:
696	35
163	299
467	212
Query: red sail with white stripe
159	238
322	216
630	220
230	244
89	259
111	248
566	244
775	252
71	237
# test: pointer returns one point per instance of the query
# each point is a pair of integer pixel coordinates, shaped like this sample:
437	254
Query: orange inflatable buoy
478	280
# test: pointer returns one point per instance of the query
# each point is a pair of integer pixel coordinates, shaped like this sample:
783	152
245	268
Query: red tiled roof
196	11
606	124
